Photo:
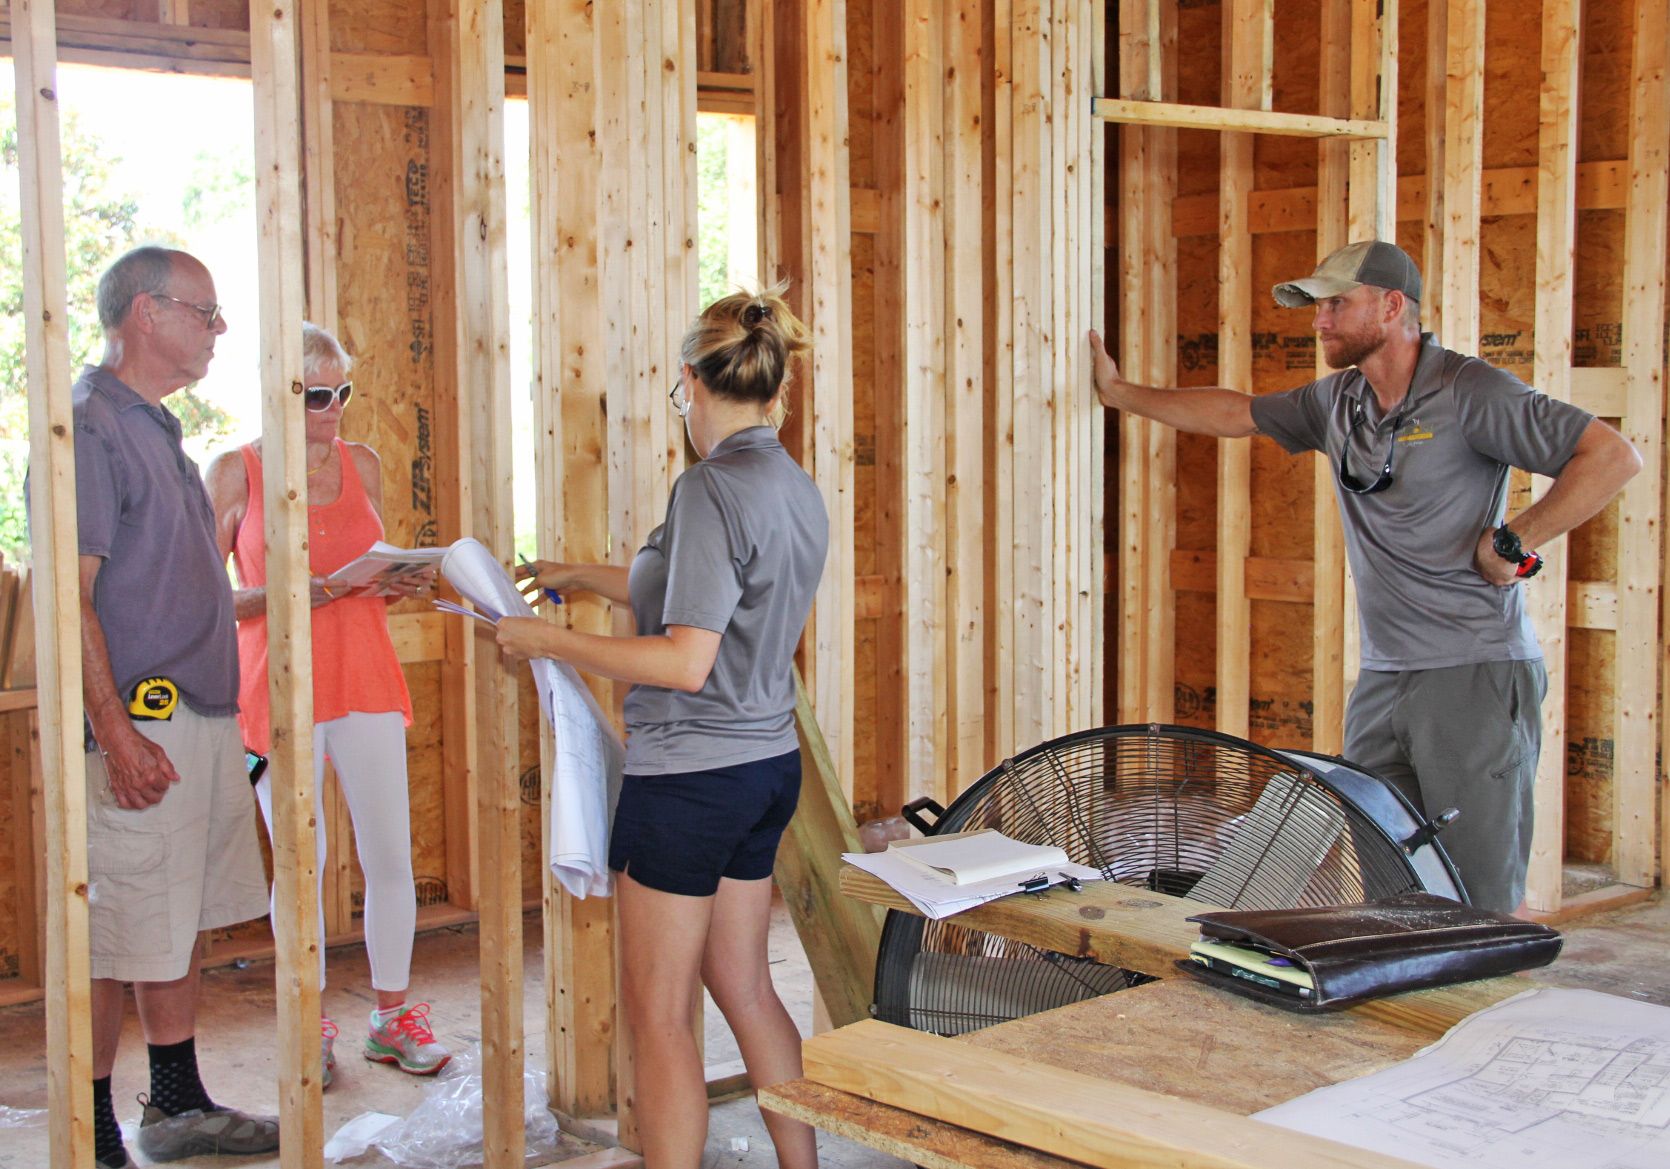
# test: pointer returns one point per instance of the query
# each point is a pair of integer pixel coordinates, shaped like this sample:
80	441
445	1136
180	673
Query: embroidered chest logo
1414	431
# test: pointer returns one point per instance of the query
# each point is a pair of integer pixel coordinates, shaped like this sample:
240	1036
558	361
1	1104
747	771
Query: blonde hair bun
742	343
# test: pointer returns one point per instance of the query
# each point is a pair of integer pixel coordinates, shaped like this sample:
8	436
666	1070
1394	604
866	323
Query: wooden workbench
1161	1074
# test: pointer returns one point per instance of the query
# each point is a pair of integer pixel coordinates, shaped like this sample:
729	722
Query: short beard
1353	351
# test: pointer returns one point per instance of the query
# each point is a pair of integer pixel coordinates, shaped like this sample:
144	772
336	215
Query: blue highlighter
551	593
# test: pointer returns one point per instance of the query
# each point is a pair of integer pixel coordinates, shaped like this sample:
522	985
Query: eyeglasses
211	312
1349	481
679	397
322	398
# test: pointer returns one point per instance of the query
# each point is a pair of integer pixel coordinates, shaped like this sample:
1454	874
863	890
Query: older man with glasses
1422	439
171	844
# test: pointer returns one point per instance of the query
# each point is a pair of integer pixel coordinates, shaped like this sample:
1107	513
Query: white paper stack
946	875
589	755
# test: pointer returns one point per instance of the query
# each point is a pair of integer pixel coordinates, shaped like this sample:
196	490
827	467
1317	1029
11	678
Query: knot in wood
295	387
59	430
48	93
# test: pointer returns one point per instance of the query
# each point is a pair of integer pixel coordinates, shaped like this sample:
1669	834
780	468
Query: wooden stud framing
275	48
1562	22
966	559
57	571
1248	52
922	408
1641	508
1176	116
1455	165
569	380
815	250
998	218
470	98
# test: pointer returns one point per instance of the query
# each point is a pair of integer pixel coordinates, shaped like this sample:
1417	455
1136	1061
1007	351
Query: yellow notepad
1255	965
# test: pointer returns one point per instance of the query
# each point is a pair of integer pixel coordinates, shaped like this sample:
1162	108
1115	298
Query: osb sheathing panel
871	649
14	758
385	321
1589	664
379	26
107	9
865	532
528	720
220	14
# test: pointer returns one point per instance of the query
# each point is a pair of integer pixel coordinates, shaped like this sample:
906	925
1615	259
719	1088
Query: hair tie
755	313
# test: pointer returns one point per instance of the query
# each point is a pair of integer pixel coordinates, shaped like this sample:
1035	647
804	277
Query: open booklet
381	562
966	858
936	895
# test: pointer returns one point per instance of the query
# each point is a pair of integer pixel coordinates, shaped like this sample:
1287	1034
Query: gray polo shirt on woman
1421	603
740	553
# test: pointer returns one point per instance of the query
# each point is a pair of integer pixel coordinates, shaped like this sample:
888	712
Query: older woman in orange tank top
360	704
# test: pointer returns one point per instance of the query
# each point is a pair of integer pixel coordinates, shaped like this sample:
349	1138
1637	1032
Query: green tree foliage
101	221
712	212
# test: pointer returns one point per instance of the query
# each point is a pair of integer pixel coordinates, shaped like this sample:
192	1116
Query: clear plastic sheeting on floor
22	1117
445	1131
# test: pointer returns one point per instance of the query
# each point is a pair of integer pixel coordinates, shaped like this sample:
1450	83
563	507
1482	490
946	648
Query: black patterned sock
175	1087
107	1134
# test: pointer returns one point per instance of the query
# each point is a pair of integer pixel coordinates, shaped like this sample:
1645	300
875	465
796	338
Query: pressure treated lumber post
275	67
1248	53
570	424
470	96
1642	507
52	536
1556	240
842	936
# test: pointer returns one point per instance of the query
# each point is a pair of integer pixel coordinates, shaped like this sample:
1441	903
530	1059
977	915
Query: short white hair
320	349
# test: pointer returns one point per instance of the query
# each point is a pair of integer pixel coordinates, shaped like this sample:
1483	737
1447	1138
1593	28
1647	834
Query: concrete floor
1621	953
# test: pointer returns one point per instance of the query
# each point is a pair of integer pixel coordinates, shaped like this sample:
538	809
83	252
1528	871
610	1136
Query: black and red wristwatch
1506	543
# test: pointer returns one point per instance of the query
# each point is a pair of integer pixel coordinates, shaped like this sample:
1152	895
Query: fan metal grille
1184	812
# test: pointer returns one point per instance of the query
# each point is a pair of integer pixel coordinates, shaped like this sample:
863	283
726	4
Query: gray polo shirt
163	598
1421	603
740	553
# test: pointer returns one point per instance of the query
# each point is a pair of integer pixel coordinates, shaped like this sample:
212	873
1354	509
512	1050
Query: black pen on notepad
556	598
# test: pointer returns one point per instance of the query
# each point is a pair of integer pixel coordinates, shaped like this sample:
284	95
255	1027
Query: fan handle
912	812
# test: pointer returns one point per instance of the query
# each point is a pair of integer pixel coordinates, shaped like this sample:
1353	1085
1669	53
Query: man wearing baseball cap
1421	440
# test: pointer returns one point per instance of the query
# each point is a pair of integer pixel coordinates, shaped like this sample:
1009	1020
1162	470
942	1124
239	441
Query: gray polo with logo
740	553
1421	603
162	597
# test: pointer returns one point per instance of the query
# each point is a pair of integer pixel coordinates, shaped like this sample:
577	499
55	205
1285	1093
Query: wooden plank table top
1188	1061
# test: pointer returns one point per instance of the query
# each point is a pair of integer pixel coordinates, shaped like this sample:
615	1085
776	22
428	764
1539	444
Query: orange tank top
354	664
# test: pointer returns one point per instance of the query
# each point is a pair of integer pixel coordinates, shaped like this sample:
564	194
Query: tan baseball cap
1370	261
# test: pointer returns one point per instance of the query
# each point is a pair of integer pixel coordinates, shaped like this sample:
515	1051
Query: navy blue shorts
680	833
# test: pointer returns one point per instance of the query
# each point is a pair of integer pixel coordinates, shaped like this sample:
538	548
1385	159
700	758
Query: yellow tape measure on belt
154	698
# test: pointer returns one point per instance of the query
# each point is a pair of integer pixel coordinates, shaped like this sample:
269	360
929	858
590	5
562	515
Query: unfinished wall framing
938	184
1532	219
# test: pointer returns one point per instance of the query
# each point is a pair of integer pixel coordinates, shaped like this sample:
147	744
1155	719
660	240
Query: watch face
1506	543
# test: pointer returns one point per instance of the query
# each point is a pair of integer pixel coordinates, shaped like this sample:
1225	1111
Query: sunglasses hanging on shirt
322	398
1349	481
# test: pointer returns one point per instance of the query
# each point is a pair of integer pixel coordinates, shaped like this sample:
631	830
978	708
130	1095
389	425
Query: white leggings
369	751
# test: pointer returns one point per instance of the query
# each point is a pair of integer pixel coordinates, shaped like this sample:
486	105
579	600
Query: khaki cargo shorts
192	862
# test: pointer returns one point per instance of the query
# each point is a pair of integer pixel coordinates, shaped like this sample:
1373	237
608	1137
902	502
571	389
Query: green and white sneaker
327	1053
405	1040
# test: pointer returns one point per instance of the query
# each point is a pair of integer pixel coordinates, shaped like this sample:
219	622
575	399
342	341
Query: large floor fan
1192	813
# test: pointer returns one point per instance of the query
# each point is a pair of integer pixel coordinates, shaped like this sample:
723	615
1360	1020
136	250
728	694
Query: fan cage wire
1178	811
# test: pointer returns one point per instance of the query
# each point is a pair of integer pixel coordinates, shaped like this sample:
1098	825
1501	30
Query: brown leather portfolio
1357	952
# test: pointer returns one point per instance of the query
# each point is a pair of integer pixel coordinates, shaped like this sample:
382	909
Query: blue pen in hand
551	593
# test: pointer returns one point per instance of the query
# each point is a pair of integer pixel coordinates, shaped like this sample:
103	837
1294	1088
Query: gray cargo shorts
1464	737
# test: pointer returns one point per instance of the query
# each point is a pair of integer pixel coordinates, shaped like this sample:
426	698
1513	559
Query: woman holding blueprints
360	705
720	591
